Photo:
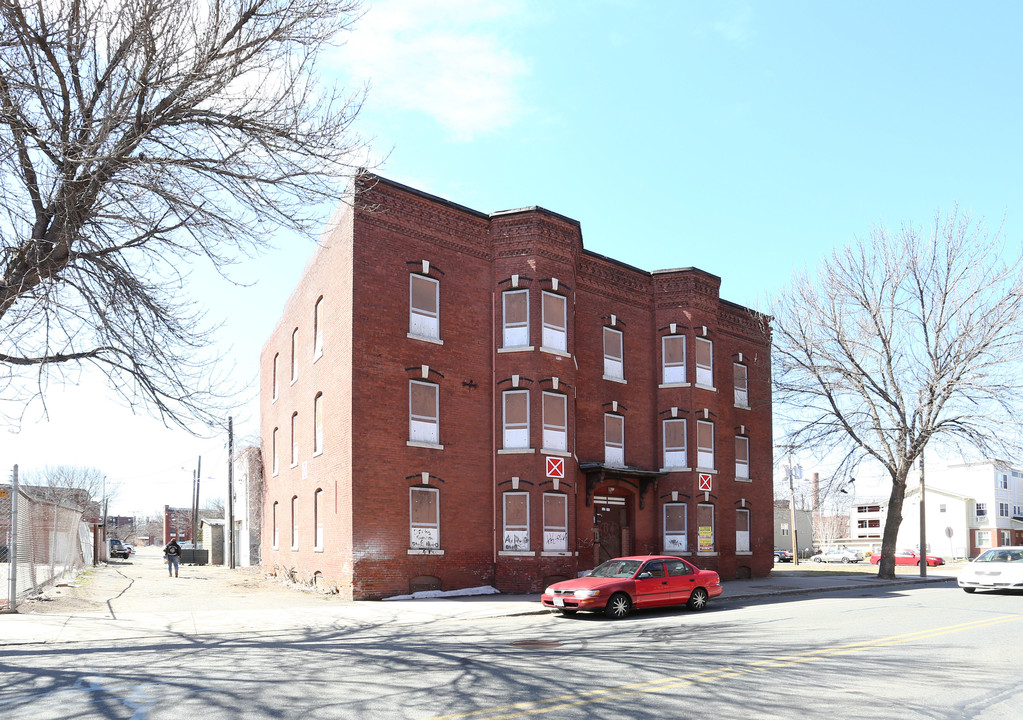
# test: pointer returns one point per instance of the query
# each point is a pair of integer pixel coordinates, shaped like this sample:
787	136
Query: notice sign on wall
556	467
705	482
705	536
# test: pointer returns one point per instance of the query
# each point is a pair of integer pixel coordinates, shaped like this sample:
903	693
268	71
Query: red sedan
909	557
642	581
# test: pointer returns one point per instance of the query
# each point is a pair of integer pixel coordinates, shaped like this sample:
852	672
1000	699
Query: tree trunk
886	566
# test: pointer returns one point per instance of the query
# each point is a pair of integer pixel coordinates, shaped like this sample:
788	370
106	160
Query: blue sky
747	139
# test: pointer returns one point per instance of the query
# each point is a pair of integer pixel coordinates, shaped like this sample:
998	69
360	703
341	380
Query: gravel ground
141	584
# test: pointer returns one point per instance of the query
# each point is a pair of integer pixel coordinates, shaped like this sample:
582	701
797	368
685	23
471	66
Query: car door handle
665	582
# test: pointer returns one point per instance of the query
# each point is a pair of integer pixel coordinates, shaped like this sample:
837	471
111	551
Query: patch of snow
464	592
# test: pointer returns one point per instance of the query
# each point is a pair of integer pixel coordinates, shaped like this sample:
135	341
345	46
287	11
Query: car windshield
616	569
1001	556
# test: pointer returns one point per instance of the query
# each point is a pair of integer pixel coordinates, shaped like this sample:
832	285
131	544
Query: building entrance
611	527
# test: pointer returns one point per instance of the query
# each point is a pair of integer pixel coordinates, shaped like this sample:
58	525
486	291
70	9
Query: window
294	439
318	518
516	521
705	528
614	366
424	306
705	444
1003	482
741	457
1004	537
294	359
424	423
1017	511
675	528
276	527
294	523
516	318
981	509
318	424
1003	509
784	529
555	324
424	514
614	440
516	419
318	329
555	422
276	466
276	384
675	444
673	359
866	524
742	531
983	538
941	508
704	362
740	379
555	522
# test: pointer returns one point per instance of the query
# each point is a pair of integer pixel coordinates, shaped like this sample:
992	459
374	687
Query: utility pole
230	492
792	508
196	480
12	551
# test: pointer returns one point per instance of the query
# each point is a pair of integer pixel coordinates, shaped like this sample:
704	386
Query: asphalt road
912	652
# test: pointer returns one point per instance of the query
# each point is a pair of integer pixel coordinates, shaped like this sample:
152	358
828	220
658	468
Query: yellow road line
534	707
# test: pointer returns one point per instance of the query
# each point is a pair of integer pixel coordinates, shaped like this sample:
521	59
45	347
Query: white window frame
276	527
424	322
675	457
318	519
424	535
555	336
555	429
741	466
983	538
294	522
614	358
276	463
1003	481
514	334
705	372
675	540
555	524
704	454
276	376
740	379
614	451
294	356
424	428
700	549
294	439
981	509
742	537
515	435
1003	509
515	536
318	424
673	373
318	328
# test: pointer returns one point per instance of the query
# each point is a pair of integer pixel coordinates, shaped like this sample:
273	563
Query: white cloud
443	58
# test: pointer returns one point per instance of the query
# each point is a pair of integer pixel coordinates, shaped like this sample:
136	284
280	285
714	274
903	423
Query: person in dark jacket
173	554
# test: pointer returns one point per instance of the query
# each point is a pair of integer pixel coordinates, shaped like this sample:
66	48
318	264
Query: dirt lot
141	584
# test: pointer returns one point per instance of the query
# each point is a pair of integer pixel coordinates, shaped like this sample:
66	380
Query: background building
454	399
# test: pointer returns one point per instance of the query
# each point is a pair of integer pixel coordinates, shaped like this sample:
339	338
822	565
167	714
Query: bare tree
136	137
71	485
899	341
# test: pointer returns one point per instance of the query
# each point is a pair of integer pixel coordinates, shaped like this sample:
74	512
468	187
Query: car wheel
845	560
817	560
697	599
969	590
618	607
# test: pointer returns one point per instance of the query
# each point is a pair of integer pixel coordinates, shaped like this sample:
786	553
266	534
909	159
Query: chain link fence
41	541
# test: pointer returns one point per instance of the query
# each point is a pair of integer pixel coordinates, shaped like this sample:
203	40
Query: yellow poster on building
705	535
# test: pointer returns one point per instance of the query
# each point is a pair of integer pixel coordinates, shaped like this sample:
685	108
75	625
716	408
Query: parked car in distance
909	557
835	555
129	547
117	549
783	556
995	569
642	581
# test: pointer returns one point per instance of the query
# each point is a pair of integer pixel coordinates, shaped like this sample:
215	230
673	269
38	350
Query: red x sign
556	467
705	482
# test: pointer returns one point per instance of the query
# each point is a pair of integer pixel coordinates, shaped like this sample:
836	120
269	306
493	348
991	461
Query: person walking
172	553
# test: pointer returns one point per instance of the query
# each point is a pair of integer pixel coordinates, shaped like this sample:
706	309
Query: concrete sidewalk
293	612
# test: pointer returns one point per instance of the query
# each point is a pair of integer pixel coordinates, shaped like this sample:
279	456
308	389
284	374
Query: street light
792	472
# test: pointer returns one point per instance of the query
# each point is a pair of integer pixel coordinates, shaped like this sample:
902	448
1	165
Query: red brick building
454	399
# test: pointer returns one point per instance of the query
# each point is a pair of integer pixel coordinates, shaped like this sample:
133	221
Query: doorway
611	528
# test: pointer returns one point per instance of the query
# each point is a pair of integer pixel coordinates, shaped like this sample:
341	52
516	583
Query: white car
843	555
995	569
